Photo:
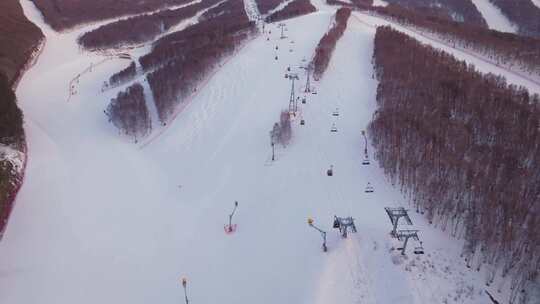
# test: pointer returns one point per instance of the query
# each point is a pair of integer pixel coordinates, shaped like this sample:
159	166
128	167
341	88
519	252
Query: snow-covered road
100	220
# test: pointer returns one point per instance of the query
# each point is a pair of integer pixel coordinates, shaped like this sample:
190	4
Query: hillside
225	154
20	41
19	38
65	14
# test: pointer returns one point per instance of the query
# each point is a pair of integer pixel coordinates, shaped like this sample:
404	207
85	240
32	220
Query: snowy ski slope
495	19
102	220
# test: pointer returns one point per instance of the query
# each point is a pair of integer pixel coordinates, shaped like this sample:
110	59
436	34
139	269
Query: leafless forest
180	61
523	13
124	75
64	14
139	29
293	9
466	148
504	48
128	112
266	6
456	10
327	44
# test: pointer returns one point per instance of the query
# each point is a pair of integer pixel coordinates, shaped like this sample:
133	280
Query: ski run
100	219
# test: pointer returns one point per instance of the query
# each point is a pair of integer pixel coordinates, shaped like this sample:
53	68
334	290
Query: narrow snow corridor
495	19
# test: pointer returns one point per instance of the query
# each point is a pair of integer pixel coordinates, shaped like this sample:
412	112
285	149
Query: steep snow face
101	220
494	17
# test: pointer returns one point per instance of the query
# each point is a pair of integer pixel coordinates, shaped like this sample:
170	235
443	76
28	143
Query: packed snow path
99	220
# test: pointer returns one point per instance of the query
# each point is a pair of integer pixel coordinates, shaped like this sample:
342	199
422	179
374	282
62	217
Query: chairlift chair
304	100
336	112
369	188
366	160
336	222
334	128
302	122
330	172
418	250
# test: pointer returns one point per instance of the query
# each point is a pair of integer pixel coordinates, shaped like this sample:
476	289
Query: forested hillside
19	43
180	61
506	49
456	10
327	44
522	13
19	39
294	8
140	28
64	14
466	147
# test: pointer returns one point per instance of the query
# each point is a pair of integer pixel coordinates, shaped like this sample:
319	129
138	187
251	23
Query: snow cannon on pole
231	227
323	233
184	284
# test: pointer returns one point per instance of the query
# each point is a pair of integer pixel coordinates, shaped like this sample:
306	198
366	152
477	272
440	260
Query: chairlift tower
365	142
323	233
293	104
395	214
282	27
344	224
405	235
308	68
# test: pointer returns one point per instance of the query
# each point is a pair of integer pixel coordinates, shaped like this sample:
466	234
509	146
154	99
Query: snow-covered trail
100	220
495	19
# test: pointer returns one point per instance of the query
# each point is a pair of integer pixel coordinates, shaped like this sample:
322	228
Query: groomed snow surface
379	3
102	220
495	19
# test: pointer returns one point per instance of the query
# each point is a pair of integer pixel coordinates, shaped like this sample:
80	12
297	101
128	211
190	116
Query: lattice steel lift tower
282	27
308	68
293	104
